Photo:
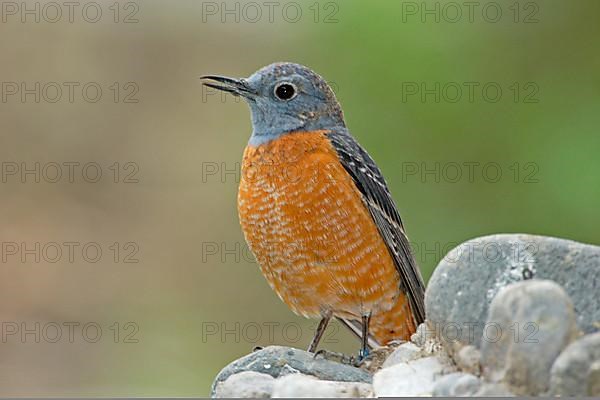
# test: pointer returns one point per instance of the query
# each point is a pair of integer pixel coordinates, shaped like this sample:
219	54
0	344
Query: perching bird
316	211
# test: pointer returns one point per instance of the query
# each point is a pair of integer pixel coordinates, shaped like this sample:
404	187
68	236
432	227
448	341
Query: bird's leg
319	332
363	354
364	343
326	354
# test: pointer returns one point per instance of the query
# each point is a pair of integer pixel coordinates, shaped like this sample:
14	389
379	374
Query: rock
529	324
427	339
420	336
287	370
456	384
414	378
493	390
300	385
247	384
576	372
462	384
467	279
404	353
377	357
274	360
467	359
594	380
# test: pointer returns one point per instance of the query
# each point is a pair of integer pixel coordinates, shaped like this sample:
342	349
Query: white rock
576	372
300	385
419	337
456	384
544	318
414	378
287	370
493	390
468	359
404	353
247	384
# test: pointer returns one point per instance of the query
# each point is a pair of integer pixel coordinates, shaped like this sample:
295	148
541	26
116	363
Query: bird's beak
237	87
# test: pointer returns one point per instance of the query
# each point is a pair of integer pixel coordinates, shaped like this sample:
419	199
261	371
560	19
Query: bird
317	213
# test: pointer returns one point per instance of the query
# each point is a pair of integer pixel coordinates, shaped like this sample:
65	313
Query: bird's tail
398	323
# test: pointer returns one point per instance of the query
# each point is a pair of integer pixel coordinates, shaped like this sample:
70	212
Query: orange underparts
314	238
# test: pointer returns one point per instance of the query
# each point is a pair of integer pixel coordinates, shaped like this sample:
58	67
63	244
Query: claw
336	357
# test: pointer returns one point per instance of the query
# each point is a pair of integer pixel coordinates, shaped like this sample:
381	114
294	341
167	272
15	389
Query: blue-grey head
283	98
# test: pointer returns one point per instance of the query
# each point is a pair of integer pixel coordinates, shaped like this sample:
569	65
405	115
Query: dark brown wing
370	182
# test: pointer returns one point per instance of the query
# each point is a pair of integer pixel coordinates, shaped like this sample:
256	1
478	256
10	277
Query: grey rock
404	353
287	370
300	385
426	338
493	390
462	384
467	359
274	360
247	384
456	384
467	279
415	378
576	372
594	380
420	336
530	323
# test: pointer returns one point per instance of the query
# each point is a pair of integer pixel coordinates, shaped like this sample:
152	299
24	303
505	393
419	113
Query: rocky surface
506	315
526	319
464	283
300	385
403	354
457	384
422	374
468	359
247	384
277	361
576	372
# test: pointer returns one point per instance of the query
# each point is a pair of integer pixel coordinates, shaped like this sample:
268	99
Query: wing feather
377	198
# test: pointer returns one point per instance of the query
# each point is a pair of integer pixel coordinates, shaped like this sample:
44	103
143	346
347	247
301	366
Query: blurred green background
196	299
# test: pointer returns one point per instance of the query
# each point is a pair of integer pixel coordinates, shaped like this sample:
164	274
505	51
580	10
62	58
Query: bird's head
283	98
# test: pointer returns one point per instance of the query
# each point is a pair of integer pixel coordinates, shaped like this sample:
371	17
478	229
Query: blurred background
124	271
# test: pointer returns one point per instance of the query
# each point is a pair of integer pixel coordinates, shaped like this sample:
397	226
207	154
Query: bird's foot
364	359
336	357
371	361
374	359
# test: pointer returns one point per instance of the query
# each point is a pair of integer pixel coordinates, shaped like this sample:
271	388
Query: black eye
285	91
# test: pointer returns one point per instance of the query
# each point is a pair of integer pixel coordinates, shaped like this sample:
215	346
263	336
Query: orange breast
305	222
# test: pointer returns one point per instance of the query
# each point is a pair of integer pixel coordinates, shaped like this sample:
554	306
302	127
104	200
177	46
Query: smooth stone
274	360
300	385
468	360
415	378
493	390
456	384
420	336
576	372
247	384
402	354
530	324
